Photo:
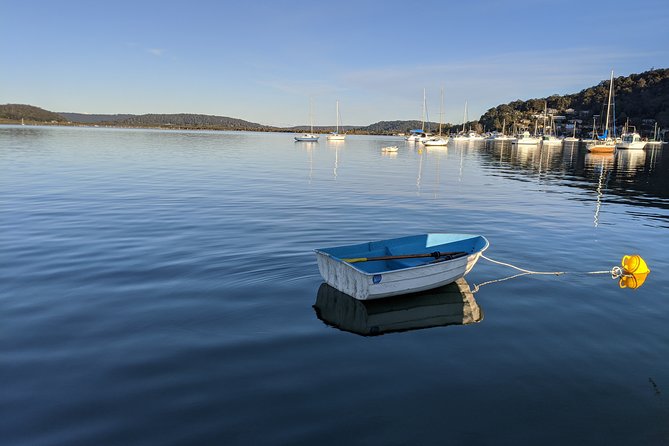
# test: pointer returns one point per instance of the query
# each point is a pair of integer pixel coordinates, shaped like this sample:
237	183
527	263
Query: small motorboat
631	141
389	149
398	266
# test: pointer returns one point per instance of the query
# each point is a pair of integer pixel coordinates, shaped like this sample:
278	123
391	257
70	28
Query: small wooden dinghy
452	304
399	266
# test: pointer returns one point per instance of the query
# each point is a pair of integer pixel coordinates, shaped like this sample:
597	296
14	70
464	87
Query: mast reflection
601	163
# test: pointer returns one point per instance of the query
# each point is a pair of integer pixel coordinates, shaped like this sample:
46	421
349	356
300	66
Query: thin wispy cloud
158	52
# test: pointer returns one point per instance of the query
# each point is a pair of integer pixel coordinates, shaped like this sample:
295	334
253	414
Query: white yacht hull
307	137
636	145
436	142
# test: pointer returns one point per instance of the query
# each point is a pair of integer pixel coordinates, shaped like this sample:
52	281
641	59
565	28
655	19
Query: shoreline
174	127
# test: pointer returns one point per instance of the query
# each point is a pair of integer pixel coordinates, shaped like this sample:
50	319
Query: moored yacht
308	137
631	141
336	136
525	139
605	144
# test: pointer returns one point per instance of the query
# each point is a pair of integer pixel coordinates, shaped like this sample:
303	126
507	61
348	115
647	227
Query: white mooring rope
615	272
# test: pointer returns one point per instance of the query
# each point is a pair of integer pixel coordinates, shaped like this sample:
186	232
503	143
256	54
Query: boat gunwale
408	268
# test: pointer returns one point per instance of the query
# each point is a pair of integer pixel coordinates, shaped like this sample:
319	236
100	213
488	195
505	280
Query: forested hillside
643	98
186	120
391	127
16	112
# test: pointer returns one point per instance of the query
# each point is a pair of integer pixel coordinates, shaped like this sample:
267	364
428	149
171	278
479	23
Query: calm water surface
158	288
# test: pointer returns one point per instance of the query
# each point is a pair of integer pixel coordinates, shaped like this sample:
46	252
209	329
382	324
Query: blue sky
262	60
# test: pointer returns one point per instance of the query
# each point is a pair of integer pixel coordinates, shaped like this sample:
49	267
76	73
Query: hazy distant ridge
85	118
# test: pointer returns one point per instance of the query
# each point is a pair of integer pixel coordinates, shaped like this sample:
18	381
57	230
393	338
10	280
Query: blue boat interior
416	244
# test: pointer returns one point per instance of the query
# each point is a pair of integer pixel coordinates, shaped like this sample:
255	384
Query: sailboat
336	136
438	140
426	134
417	134
547	138
593	133
503	136
605	144
462	136
656	141
308	137
573	137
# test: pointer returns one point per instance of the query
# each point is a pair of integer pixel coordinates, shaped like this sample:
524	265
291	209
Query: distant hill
643	98
394	127
187	120
16	112
180	120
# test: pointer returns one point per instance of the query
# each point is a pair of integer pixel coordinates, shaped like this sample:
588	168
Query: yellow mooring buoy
635	271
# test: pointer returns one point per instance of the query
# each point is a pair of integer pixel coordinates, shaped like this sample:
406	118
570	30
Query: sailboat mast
422	127
608	107
311	117
441	110
464	118
337	117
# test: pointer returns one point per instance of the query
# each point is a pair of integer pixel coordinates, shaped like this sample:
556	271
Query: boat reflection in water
453	304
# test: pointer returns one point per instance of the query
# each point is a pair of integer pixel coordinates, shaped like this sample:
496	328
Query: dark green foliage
16	112
186	120
93	118
392	127
639	97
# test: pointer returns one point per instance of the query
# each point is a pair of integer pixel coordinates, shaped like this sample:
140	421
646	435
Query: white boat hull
307	138
436	142
637	145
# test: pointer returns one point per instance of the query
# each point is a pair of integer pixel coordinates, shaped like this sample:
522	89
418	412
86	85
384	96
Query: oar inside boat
437	256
